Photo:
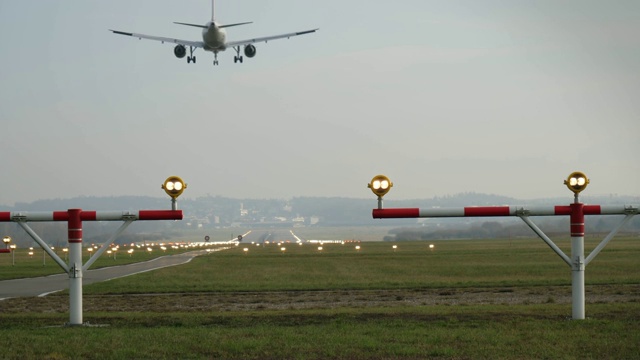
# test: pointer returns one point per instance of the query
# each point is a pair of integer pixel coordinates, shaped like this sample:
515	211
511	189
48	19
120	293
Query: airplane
214	40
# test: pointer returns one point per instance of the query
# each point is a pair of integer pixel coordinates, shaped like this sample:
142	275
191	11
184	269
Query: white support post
577	278
74	224
576	220
75	284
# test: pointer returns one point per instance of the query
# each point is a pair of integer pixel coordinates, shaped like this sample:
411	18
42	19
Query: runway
43	286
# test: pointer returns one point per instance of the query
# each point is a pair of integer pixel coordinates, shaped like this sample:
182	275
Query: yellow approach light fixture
380	185
577	182
174	186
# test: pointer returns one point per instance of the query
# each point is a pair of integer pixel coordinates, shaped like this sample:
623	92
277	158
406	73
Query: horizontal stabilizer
195	25
219	27
230	25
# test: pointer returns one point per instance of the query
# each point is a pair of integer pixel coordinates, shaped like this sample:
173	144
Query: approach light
577	182
174	186
6	240
380	185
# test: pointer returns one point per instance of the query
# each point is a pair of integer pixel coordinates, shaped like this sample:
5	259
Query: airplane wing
195	44
267	38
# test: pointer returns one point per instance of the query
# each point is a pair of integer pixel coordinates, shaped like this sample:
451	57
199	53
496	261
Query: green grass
377	266
524	331
484	332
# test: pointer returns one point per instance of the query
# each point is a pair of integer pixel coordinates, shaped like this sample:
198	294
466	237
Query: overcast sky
501	97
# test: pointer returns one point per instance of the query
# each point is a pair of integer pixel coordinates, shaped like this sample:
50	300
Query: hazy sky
505	97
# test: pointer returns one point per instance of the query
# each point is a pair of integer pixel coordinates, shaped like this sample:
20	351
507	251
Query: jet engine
250	51
179	51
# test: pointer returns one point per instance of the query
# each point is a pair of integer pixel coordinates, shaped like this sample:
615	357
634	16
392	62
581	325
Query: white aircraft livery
214	39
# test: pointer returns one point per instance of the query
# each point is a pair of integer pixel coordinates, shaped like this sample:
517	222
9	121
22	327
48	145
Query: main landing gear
238	57
192	57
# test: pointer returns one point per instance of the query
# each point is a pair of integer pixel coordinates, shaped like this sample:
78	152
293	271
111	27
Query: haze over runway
502	97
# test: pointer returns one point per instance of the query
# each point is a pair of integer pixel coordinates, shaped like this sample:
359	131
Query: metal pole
106	245
75	265
606	240
577	260
44	246
546	239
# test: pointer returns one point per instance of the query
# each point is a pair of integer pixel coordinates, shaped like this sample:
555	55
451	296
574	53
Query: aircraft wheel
194	59
240	59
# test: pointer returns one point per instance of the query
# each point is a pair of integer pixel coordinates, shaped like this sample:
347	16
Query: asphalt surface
43	286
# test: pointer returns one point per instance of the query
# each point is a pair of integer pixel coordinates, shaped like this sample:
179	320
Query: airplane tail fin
213	10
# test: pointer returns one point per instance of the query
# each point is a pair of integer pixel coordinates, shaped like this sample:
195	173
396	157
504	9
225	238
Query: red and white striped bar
488	211
8	216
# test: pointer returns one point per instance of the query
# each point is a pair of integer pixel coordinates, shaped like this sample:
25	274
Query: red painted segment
160	215
396	213
487	211
74	226
5	251
88	216
60	216
592	210
577	220
5	216
587	209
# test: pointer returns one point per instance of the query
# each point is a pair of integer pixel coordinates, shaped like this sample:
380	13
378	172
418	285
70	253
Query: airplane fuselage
213	37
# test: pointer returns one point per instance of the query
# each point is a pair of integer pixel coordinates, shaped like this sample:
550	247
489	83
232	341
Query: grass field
269	303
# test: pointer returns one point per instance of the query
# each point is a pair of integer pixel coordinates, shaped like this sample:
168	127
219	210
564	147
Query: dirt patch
272	300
